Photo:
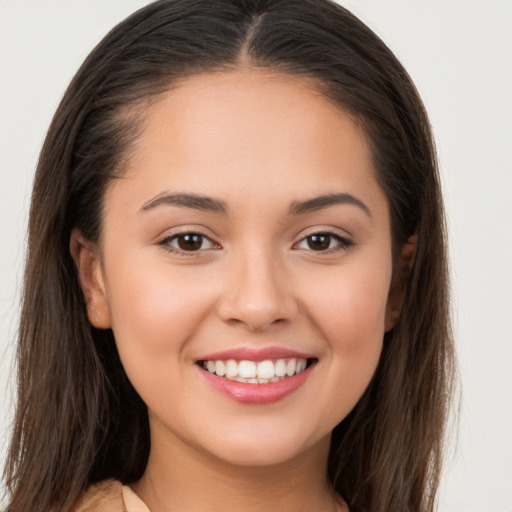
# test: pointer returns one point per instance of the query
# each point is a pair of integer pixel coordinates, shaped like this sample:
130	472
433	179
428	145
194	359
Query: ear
90	274
400	275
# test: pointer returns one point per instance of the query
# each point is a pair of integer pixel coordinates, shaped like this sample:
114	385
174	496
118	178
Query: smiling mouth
260	372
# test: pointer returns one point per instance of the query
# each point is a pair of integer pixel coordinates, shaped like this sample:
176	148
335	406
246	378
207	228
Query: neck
179	478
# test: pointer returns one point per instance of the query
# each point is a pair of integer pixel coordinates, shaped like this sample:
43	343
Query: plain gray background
459	53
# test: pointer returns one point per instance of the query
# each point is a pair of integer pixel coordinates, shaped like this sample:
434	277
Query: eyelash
166	242
342	243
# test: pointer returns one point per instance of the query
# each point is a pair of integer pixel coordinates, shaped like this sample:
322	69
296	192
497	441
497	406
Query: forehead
247	133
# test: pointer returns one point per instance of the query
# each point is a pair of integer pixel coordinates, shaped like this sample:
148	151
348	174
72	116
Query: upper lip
255	354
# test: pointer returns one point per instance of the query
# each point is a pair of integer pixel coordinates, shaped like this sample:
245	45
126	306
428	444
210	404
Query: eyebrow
194	201
210	204
320	202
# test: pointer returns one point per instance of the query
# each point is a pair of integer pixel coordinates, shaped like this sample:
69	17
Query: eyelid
345	240
165	240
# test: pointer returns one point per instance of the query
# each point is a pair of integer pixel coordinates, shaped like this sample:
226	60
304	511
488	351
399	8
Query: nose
258	292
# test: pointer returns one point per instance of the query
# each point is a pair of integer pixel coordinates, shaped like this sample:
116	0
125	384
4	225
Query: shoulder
105	496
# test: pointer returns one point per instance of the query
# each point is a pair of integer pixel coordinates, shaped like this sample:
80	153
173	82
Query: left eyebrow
193	201
320	202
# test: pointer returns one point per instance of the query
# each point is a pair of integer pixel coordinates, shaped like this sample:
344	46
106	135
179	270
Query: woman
236	288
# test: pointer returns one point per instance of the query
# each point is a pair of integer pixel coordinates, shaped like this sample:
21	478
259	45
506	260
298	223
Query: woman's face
247	239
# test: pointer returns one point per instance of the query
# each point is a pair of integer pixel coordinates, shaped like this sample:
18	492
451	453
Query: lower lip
257	393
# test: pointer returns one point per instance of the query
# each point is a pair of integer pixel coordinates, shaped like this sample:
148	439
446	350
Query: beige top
132	502
110	496
113	496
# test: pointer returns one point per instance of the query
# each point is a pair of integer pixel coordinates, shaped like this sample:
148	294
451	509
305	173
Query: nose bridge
257	292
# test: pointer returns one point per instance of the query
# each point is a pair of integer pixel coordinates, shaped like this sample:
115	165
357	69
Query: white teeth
260	372
247	369
301	366
290	367
265	369
231	368
220	368
280	368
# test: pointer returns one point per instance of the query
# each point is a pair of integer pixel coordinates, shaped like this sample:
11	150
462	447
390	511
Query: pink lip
256	393
251	354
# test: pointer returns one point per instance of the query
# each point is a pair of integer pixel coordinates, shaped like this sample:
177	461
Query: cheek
154	311
351	307
350	314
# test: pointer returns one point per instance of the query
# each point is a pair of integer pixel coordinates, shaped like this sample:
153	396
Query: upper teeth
254	372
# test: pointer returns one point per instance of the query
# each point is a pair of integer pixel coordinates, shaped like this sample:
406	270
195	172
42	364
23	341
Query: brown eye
319	242
188	242
324	242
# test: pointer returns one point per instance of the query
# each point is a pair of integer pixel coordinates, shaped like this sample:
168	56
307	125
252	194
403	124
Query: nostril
256	301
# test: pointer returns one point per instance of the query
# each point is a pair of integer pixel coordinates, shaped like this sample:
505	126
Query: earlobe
400	276
90	274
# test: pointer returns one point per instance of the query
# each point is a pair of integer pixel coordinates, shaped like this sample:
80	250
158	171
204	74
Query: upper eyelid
166	243
342	239
173	236
326	230
185	230
338	233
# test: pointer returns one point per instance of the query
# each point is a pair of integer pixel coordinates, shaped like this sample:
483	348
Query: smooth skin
180	277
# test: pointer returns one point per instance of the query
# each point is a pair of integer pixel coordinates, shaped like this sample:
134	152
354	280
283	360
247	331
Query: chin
254	457
266	448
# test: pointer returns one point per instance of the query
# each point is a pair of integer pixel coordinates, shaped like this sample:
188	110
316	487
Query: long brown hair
78	419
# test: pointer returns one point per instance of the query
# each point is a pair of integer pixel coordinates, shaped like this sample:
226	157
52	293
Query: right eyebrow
194	201
320	202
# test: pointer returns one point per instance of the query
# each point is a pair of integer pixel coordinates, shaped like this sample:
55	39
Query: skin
259	143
